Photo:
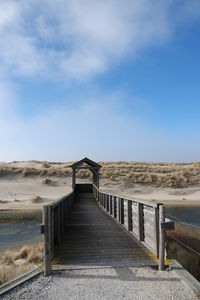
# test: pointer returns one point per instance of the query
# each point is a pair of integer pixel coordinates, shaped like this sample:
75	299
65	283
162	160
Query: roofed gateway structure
86	163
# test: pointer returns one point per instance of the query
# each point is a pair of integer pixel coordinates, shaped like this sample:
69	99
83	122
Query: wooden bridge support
161	264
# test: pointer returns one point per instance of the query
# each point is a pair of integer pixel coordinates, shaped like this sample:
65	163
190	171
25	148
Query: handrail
144	219
146	202
55	217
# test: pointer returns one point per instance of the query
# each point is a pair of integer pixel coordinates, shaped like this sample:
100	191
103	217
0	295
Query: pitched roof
87	161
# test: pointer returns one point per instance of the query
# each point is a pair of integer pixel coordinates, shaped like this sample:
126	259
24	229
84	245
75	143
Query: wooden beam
140	222
161	264
73	178
47	239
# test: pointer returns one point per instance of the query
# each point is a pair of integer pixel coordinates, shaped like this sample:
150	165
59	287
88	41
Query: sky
112	80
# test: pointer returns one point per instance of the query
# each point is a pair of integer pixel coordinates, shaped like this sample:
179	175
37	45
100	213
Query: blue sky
100	79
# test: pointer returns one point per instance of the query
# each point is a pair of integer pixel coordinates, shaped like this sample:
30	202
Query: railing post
122	211
105	201
52	231
140	222
59	224
110	204
119	209
162	238
129	215
47	239
115	207
156	230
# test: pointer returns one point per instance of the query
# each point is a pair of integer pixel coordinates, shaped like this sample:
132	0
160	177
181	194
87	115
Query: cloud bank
95	129
79	39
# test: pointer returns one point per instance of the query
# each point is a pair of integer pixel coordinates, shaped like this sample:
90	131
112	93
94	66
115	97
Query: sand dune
30	185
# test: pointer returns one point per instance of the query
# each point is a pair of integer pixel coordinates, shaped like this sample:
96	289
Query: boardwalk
92	238
99	257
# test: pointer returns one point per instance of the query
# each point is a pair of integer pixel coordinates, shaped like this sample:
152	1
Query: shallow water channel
27	230
185	214
16	235
19	228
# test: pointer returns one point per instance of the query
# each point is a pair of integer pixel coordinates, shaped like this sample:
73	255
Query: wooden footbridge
89	228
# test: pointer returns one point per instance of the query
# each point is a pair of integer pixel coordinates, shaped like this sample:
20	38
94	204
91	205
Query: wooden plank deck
93	238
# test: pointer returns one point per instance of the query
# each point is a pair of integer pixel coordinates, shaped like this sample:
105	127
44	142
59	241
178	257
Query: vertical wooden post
161	239
122	210
129	215
59	223
140	222
52	231
105	201
115	207
156	230
110	204
119	209
65	209
47	239
97	178
63	215
73	178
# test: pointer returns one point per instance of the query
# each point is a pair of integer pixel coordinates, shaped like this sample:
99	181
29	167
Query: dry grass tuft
175	175
36	199
23	253
31	256
46	180
45	165
188	235
189	259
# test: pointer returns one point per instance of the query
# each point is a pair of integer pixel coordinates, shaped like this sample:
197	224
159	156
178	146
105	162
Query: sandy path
105	284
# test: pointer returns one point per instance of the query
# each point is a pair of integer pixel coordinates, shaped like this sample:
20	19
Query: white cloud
76	38
96	129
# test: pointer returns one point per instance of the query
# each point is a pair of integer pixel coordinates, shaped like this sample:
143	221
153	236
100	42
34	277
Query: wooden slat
149	230
149	220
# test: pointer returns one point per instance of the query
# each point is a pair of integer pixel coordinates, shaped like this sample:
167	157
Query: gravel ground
131	283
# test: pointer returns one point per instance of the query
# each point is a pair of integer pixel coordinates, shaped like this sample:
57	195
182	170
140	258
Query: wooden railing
55	217
145	220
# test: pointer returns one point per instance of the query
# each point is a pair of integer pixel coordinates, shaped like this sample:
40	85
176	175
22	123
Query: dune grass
46	180
17	216
17	261
190	237
158	174
36	199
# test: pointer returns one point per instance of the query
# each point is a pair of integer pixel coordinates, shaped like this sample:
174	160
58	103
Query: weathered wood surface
93	238
162	239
